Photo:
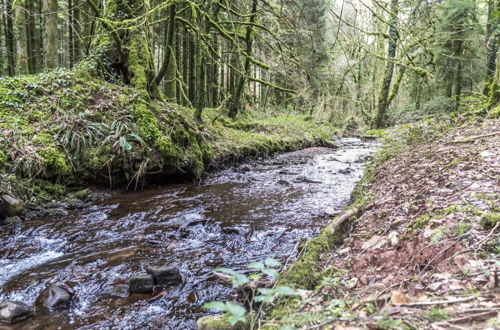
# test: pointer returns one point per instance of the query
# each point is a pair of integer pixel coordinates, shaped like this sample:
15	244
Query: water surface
236	216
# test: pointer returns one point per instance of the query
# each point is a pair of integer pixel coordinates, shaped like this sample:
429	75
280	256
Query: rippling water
237	216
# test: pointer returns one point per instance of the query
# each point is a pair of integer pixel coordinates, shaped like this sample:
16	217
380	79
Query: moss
55	161
490	220
487	197
43	139
495	112
493	246
462	228
82	194
436	314
138	56
437	235
305	272
3	158
419	222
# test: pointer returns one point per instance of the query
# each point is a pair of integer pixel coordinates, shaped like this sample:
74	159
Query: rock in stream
14	311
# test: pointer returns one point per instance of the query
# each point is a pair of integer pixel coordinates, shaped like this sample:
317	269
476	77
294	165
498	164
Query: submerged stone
164	275
14	311
59	295
13	220
141	284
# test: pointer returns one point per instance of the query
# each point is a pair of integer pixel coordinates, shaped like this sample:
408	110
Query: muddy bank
420	246
257	210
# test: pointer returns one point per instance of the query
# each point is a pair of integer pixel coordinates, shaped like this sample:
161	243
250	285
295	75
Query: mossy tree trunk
168	68
238	93
492	42
389	67
124	38
495	85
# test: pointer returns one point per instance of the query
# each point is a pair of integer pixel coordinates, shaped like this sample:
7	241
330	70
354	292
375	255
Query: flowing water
236	216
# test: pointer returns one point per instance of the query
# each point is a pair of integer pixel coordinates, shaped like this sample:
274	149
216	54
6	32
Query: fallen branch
484	240
341	219
439	302
474	138
475	317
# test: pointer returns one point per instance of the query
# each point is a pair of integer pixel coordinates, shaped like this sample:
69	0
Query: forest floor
420	245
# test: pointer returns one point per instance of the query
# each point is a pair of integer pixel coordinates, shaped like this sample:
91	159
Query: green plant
236	313
436	314
490	220
462	228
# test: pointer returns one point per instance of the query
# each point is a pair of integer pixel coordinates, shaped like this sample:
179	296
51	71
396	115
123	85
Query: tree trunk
127	52
71	36
9	38
77	33
192	69
237	96
395	86
50	38
31	36
22	40
492	42
389	67
169	67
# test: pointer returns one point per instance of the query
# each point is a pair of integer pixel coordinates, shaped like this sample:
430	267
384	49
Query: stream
236	216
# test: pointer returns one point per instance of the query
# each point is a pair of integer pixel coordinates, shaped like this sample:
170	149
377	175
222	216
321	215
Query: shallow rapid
258	210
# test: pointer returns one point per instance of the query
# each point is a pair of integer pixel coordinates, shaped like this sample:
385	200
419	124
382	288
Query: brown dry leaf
398	298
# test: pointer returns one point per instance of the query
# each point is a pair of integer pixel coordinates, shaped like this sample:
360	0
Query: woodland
127	95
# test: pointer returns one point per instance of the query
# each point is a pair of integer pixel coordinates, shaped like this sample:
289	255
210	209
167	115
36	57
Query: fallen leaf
398	298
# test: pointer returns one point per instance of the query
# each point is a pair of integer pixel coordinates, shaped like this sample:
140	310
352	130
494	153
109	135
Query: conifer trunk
9	38
50	38
22	41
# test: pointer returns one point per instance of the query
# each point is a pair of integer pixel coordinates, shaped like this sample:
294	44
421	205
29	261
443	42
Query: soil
422	254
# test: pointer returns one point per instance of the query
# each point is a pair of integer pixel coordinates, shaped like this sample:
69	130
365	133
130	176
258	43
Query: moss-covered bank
67	128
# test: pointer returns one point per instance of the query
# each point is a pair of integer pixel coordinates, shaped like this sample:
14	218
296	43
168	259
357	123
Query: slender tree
236	103
50	39
9	37
389	66
22	37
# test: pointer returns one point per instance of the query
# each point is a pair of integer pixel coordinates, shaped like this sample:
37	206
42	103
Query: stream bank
64	130
259	209
419	247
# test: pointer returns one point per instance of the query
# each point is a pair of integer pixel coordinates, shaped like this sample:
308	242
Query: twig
484	240
439	254
439	302
473	138
343	218
475	317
